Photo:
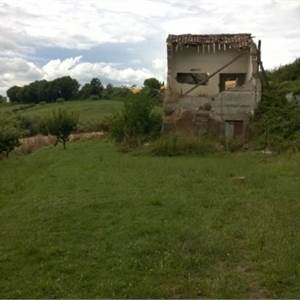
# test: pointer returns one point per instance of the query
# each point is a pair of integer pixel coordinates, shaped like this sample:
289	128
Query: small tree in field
137	123
9	134
61	124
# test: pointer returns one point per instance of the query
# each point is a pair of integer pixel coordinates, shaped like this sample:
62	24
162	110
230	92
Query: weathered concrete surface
206	109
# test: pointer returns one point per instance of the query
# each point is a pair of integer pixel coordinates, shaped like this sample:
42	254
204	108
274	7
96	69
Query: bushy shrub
94	97
137	123
60	100
152	94
277	120
95	126
10	133
178	145
289	72
32	125
61	124
152	89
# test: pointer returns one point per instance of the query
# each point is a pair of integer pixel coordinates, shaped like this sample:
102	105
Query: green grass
90	112
4	107
92	222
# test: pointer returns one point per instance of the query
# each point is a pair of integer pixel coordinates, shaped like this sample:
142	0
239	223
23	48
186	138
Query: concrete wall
206	108
183	60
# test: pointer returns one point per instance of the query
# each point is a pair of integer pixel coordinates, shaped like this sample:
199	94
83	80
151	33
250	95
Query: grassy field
92	222
90	112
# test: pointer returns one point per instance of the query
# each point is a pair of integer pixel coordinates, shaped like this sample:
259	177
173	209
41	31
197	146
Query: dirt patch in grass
31	144
86	136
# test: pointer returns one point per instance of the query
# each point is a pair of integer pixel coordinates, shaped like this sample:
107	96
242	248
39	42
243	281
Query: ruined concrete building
213	84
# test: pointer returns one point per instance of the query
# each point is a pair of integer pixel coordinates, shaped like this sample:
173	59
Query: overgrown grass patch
173	145
91	222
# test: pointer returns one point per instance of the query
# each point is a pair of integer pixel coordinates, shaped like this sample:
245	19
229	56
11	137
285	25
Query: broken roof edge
236	40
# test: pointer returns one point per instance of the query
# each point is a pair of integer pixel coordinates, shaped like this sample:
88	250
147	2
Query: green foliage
37	91
153	94
94	115
13	94
10	133
60	100
152	83
61	124
287	87
116	92
3	99
32	125
94	97
152	89
138	121
173	145
277	120
93	89
289	72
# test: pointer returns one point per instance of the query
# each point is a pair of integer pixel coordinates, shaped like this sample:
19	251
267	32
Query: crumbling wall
202	114
205	108
187	60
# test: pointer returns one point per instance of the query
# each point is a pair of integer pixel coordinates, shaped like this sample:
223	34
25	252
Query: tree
9	133
64	87
152	83
138	121
152	89
14	94
85	91
37	91
61	124
109	90
109	87
94	88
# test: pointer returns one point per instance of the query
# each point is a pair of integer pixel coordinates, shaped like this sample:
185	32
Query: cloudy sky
123	41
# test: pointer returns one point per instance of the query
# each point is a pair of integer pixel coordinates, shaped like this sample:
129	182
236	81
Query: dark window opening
192	78
230	81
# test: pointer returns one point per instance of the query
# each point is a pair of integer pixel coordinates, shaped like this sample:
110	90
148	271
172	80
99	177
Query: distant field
93	222
89	111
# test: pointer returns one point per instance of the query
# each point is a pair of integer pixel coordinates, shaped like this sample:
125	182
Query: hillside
288	72
286	78
90	112
277	120
92	222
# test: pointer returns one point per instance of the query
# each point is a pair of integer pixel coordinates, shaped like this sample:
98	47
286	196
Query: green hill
288	72
277	119
90	112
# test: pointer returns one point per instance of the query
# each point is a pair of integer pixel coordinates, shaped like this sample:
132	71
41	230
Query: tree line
64	88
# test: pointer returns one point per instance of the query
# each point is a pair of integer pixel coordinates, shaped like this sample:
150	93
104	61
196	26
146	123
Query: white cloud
158	64
79	25
17	71
20	72
84	71
160	68
57	68
275	22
